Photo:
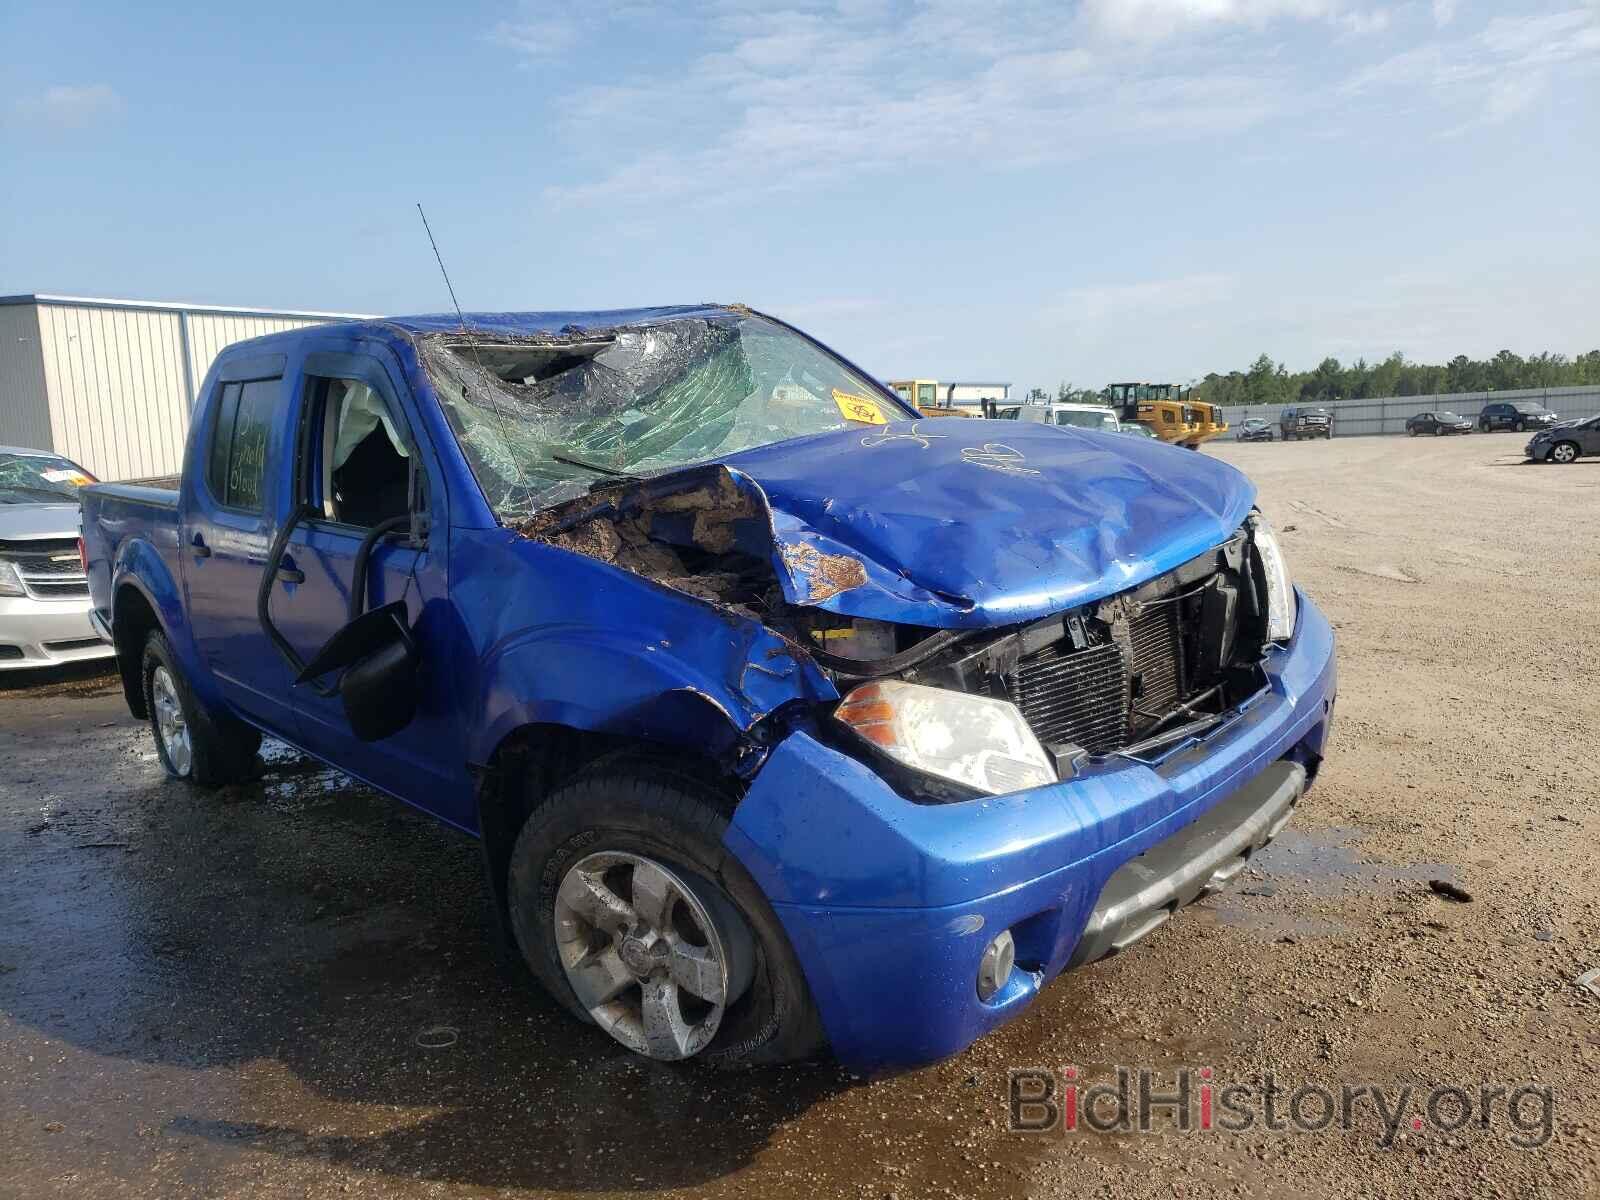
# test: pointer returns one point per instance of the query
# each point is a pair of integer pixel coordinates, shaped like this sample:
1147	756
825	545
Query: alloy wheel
1564	453
644	955
171	727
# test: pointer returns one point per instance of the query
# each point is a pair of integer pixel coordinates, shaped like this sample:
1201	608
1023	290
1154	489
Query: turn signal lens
973	740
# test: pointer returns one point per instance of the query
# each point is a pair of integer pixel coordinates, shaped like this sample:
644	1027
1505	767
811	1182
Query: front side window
40	479
541	420
362	467
236	467
925	395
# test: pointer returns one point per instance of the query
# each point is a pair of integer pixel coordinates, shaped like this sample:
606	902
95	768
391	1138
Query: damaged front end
1133	674
990	613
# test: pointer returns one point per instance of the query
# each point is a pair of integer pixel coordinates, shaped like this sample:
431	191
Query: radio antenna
472	344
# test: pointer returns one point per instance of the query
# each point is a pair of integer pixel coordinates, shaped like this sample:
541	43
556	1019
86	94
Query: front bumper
889	904
46	633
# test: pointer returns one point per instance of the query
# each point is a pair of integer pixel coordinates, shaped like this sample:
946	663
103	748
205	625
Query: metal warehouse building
111	383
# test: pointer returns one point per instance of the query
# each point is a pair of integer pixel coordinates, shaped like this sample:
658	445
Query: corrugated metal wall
1387	414
24	415
110	385
115	382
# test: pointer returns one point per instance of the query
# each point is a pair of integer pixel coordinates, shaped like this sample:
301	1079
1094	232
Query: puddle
1327	862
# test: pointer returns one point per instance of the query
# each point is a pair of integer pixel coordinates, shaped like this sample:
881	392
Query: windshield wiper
597	468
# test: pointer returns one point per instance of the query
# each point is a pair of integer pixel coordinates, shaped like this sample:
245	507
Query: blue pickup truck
788	721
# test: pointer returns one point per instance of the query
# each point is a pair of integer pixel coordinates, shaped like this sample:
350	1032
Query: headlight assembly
981	743
10	581
1280	589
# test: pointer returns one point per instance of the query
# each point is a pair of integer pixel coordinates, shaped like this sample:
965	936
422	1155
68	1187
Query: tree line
1267	382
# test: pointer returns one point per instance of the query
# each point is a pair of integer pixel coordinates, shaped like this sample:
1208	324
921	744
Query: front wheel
193	743
1484	427
630	911
1564	452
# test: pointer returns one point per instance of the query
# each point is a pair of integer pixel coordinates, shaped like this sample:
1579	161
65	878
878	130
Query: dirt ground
286	990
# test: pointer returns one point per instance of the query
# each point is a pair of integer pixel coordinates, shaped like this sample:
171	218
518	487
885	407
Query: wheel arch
533	759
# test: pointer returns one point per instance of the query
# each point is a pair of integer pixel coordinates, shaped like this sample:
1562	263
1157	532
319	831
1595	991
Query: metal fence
1387	414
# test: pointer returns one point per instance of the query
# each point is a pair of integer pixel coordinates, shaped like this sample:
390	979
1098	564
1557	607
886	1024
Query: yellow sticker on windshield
859	408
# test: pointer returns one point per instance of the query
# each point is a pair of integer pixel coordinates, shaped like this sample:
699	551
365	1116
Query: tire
1411	431
1564	453
624	819
193	743
1518	427
1440	431
1484	427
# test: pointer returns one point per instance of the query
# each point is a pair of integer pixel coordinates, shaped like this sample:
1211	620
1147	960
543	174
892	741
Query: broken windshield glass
544	420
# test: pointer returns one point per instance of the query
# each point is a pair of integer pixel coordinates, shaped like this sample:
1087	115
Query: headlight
1280	591
10	581
972	740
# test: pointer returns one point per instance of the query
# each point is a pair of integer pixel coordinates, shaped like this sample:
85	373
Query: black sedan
1437	423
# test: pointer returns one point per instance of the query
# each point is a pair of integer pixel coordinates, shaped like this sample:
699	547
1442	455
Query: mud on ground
285	989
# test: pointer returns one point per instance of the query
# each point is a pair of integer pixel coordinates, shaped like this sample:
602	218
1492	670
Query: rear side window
237	465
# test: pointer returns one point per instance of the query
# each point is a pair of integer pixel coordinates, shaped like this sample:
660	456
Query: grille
43	576
1077	696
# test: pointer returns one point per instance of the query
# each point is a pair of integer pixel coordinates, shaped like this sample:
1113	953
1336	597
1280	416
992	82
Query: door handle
289	573
198	545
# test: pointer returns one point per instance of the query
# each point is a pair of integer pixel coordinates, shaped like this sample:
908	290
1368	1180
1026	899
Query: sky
1029	192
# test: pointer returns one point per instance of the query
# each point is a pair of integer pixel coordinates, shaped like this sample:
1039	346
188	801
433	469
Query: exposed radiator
1101	697
1157	669
1076	696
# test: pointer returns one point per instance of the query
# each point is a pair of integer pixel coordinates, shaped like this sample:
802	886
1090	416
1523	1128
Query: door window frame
319	369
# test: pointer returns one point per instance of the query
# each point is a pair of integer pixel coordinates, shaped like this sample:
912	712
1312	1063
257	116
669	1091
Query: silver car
44	597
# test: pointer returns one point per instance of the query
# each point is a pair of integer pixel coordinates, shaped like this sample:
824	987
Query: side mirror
379	684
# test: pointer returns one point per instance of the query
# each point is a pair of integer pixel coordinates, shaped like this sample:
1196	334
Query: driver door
359	464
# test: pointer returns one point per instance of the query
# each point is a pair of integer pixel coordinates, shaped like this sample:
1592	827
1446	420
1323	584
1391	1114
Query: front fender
625	656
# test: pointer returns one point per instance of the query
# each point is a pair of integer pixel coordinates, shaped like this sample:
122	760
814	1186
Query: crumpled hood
25	521
965	523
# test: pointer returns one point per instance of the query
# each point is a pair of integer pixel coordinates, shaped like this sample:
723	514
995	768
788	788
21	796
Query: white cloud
782	101
1495	74
1163	18
70	106
1444	11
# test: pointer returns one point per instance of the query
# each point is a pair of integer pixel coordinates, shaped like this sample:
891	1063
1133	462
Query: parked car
1566	442
1438	423
1255	429
1518	415
786	719
1081	416
1302	422
44	598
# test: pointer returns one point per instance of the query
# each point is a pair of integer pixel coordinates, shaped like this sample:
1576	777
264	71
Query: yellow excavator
1169	410
923	395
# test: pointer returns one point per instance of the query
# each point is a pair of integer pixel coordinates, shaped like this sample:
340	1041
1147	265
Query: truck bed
121	520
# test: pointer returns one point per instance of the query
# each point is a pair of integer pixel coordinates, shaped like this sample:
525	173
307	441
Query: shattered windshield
543	419
40	479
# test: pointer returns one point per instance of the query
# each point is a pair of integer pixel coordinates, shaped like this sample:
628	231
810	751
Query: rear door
229	521
359	463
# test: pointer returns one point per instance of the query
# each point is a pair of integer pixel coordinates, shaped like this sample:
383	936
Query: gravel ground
285	990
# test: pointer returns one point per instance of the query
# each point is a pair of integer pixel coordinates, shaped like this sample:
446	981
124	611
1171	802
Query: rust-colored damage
648	536
825	575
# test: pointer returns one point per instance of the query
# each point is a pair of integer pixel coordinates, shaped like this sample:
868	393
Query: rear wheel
630	911
1564	452
193	743
1519	426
